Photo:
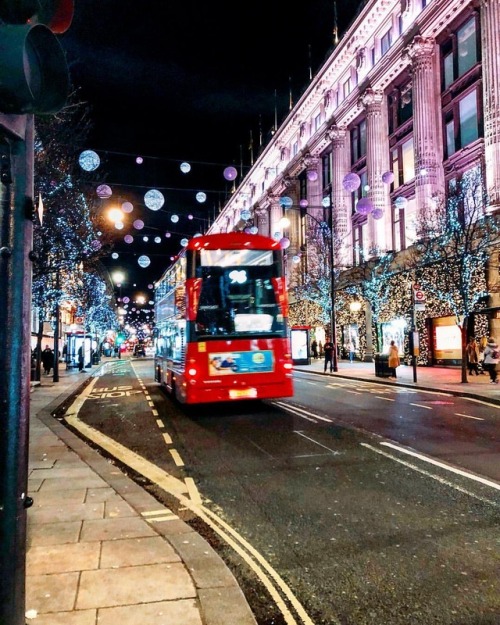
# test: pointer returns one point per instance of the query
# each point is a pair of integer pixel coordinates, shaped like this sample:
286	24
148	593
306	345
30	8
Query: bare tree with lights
457	239
66	234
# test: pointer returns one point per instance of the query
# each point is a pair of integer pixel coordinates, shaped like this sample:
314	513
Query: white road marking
301	412
316	442
386	398
431	475
421	406
442	465
468	416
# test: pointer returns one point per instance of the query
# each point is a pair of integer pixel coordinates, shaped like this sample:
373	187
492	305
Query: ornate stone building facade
408	101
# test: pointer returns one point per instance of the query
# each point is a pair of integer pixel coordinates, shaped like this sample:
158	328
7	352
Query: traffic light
34	75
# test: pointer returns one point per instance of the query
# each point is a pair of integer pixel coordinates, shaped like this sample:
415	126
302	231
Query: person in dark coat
328	349
47	359
314	349
81	358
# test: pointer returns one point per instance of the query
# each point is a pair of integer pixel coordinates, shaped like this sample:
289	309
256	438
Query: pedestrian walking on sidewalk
47	359
472	356
81	357
328	348
491	358
393	361
314	349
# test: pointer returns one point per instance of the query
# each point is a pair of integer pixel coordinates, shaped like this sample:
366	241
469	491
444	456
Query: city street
361	502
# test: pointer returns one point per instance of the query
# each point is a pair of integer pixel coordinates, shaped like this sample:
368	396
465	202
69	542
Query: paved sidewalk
100	549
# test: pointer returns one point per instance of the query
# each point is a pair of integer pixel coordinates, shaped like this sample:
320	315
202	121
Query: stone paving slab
134	585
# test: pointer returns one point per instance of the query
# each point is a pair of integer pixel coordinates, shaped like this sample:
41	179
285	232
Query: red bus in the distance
221	313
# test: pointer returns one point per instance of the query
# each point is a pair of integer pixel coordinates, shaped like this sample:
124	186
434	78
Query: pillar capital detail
371	99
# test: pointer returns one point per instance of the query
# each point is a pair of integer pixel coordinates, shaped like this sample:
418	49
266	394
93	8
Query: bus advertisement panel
221	315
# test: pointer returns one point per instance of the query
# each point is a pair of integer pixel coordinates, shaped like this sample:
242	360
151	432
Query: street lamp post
333	325
329	225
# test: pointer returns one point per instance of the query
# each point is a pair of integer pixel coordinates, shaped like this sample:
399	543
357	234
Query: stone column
490	45
341	199
429	175
377	162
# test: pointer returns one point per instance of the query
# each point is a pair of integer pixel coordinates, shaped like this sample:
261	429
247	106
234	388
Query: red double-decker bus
221	313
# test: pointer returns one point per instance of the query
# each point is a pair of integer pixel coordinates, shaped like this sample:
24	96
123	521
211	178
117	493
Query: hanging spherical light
185	168
245	214
230	173
174	219
286	201
128	238
201	197
157	239
388	177
184	242
104	191
303	203
114	255
377	213
154	199
312	175
127	207
89	160
364	206
400	202
351	182
139	160
138	224
254	230
284	243
143	261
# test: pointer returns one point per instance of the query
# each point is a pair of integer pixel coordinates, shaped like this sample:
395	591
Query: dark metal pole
55	377
333	326
16	236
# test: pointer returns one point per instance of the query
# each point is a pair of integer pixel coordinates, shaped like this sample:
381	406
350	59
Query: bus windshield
237	295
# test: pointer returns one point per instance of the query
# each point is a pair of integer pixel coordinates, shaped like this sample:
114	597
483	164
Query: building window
347	88
460	52
398	229
295	148
462	123
400	106
403	163
385	42
358	141
317	121
326	170
408	160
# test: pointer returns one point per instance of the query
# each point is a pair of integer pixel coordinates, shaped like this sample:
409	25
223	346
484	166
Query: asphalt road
363	504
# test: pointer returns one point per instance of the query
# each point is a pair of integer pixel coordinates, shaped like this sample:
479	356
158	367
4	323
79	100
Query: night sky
187	81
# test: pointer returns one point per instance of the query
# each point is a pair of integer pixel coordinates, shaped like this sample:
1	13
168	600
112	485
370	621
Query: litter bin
95	359
382	365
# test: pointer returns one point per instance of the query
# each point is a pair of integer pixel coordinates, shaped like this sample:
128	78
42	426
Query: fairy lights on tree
456	244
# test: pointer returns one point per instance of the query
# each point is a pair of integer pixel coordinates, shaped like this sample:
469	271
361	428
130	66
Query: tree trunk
463	331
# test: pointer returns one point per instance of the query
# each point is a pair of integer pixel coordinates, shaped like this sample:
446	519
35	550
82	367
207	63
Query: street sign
418	294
